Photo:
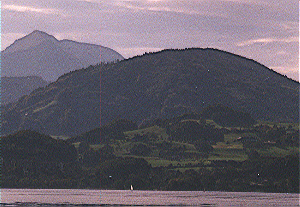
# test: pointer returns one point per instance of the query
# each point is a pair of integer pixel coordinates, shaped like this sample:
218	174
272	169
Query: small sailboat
131	187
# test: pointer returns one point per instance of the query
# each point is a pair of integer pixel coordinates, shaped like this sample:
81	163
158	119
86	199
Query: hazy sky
263	30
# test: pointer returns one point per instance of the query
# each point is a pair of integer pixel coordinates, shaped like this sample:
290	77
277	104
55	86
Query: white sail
131	187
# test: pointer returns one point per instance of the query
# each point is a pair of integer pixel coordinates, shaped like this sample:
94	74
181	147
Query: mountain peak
33	39
42	54
39	33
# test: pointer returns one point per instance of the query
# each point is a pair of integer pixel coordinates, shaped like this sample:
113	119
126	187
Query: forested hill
162	84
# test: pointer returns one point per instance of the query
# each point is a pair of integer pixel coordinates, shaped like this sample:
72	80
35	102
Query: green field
183	155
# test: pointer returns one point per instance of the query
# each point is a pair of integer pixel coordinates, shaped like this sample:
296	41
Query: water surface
75	197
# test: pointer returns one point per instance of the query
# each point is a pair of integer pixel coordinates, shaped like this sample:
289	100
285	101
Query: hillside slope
162	84
13	88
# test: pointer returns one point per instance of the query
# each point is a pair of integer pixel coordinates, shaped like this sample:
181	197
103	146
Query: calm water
49	198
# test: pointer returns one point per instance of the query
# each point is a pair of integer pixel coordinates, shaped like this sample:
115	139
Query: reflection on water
74	197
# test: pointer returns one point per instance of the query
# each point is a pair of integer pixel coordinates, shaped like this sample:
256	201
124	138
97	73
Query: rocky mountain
41	54
156	85
13	88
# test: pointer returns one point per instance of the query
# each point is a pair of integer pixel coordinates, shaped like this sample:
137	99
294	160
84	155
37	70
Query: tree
203	146
192	131
140	150
228	117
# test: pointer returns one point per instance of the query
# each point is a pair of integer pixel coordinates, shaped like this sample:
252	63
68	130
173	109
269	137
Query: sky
264	30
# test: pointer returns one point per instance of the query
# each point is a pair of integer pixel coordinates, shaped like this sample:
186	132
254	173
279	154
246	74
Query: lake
80	197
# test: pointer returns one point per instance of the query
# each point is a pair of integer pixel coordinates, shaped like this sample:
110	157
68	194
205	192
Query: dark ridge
163	84
212	49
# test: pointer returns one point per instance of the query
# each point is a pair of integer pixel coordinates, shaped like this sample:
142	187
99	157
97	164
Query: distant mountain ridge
157	85
41	54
